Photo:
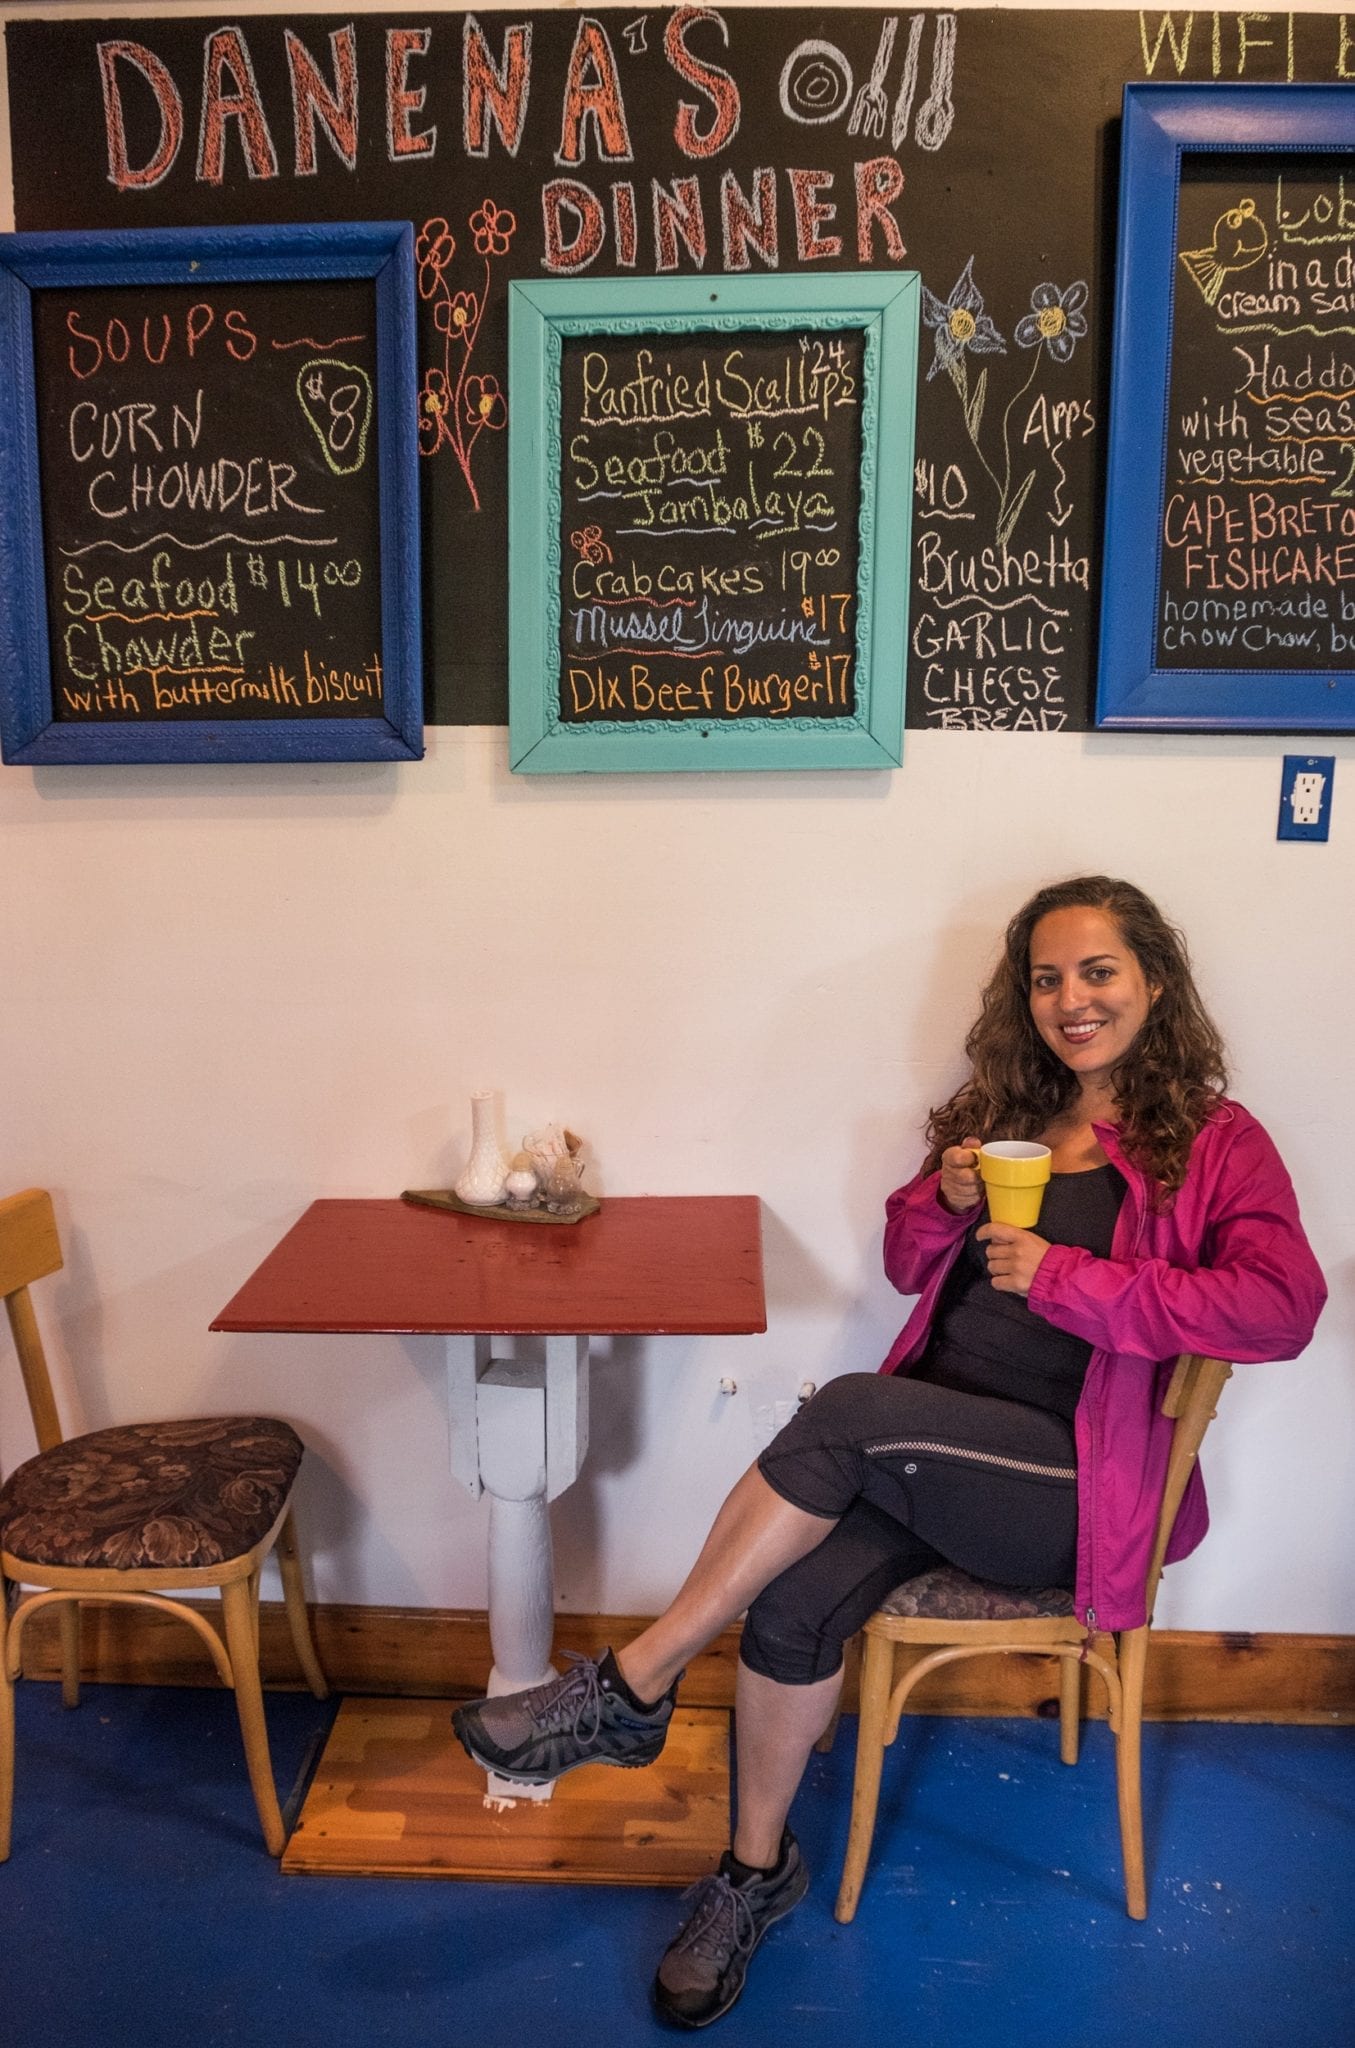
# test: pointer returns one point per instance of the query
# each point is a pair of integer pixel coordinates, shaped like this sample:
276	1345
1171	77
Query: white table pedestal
519	1432
394	1793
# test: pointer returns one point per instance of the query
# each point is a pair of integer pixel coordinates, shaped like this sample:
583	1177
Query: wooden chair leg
237	1605
6	1727
851	1683
298	1614
1070	1708
68	1615
1133	1661
877	1673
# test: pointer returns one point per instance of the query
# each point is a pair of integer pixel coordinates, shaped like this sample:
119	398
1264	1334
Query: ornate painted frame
380	250
1162	123
884	305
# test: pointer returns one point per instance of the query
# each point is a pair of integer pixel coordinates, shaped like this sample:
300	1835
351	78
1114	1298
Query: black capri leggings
914	1475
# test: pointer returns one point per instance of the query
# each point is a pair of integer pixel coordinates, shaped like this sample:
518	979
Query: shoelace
722	1921
573	1701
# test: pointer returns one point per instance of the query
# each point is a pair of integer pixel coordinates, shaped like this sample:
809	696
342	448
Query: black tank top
984	1342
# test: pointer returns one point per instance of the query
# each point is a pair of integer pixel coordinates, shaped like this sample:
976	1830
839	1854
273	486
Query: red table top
647	1264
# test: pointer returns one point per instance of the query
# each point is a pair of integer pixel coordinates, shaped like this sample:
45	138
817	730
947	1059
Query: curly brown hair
1166	1086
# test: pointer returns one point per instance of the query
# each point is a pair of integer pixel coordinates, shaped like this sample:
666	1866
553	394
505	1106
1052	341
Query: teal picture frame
882	307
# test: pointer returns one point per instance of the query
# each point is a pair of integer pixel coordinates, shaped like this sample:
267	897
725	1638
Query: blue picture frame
883	306
1163	126
382	251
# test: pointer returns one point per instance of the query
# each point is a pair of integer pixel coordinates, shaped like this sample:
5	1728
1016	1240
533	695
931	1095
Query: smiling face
1089	998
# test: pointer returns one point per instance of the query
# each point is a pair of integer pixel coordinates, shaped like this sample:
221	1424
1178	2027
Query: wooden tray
395	1795
443	1198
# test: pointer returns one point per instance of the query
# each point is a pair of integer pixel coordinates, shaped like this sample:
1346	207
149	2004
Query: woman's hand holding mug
961	1189
1014	1256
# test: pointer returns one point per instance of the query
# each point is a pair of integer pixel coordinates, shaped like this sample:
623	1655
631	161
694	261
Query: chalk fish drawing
1240	239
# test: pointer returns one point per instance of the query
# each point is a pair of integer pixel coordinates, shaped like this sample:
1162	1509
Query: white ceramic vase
482	1181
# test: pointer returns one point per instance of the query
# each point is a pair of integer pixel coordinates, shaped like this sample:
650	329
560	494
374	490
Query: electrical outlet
1305	796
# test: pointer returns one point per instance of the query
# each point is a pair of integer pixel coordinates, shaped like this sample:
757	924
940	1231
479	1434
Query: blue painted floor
140	1911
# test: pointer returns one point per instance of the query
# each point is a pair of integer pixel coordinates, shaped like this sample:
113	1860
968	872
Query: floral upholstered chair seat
136	1516
161	1495
948	1594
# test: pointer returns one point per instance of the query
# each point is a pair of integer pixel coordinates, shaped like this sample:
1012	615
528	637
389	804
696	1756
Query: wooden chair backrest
29	1250
1191	1400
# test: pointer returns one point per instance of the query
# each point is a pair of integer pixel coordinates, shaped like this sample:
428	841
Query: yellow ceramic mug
1014	1175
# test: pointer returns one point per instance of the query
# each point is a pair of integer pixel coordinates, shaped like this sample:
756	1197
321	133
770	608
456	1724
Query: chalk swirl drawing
589	545
961	326
455	408
816	82
173	540
336	398
309	341
1240	239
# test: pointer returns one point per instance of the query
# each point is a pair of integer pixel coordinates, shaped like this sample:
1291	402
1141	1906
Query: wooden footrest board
395	1795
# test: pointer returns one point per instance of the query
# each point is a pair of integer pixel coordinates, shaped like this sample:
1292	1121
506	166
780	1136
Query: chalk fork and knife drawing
870	113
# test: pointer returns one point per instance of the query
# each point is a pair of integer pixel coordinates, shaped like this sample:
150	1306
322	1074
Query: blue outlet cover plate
1305	796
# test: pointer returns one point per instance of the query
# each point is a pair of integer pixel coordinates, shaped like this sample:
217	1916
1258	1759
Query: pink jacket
1227	1272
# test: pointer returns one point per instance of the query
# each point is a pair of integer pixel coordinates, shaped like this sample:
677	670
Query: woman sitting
1015	1429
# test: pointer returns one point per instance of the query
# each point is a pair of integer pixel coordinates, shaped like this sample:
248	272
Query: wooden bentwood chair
125	1516
950	1616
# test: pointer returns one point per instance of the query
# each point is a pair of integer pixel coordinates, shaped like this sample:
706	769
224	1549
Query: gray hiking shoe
580	1718
703	1968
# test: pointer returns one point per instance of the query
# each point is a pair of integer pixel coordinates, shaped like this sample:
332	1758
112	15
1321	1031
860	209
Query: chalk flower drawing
457	315
434	400
485	404
493	228
434	248
1055	318
455	408
961	326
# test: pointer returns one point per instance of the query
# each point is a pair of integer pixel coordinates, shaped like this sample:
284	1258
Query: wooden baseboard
1193	1675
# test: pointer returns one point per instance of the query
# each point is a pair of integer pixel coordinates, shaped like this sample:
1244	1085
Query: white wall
231	990
228	991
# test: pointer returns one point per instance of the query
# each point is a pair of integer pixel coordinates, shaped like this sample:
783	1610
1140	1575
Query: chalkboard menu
1230	571
1258	536
213	578
698	489
977	148
708	526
